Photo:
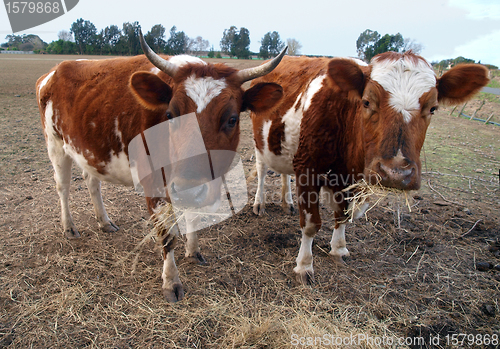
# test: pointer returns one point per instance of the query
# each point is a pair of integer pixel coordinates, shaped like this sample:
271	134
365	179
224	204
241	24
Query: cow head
213	93
397	94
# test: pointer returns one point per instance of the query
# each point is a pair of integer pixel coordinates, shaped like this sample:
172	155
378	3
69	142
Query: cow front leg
259	205
172	286
338	243
167	231
193	253
310	223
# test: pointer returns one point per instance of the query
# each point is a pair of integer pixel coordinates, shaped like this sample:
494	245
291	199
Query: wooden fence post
489	118
478	109
461	111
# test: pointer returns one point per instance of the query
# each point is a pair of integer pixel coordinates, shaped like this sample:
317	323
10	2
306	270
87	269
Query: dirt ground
423	278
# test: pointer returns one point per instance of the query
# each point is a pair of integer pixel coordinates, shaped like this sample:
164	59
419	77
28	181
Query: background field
409	275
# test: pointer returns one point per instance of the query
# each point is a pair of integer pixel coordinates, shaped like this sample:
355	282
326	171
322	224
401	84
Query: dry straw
365	193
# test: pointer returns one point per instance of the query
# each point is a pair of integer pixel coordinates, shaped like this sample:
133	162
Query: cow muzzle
189	195
396	173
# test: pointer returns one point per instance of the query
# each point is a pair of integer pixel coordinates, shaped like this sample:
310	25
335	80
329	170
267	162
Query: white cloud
484	49
479	9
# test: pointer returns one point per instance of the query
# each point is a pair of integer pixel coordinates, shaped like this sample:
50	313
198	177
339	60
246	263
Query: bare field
411	277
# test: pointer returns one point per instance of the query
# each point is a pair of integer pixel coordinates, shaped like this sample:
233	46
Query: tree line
84	38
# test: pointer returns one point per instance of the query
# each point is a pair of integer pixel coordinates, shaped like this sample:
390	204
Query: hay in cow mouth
362	192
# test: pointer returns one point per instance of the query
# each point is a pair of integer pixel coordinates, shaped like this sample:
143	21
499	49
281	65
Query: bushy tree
156	38
370	43
294	47
271	45
62	47
131	37
65	35
236	43
177	43
228	39
198	45
84	33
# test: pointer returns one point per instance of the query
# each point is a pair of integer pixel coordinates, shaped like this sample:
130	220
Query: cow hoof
110	228
288	209
305	278
339	260
339	255
175	294
197	258
259	209
72	233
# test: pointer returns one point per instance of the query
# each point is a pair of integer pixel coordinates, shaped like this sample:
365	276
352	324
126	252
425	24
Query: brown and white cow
340	121
92	110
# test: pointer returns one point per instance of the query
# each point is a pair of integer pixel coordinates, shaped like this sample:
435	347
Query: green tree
112	36
271	45
365	43
236	43
84	33
241	47
156	38
131	37
62	47
211	53
177	43
370	44
228	39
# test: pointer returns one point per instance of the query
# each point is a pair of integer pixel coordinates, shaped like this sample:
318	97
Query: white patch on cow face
203	90
181	60
154	70
44	82
313	88
405	81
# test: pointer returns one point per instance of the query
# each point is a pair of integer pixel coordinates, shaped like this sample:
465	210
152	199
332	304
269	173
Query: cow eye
366	103
233	120
433	110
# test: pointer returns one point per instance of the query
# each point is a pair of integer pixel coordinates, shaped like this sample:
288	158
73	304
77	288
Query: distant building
17	52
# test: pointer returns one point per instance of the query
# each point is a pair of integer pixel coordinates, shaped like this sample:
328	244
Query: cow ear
347	75
461	82
262	97
151	91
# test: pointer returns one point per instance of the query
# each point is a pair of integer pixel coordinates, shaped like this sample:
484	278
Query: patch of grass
494	84
488	97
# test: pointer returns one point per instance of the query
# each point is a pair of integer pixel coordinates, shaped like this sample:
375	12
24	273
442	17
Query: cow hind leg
62	175
286	194
259	206
310	223
94	186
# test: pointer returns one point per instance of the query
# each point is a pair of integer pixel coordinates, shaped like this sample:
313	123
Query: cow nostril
172	187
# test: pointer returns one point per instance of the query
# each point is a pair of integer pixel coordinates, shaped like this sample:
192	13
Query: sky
445	28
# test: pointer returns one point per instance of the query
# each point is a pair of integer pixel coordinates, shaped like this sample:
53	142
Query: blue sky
445	28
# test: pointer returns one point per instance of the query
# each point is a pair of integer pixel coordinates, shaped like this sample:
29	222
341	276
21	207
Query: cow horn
261	70
160	63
